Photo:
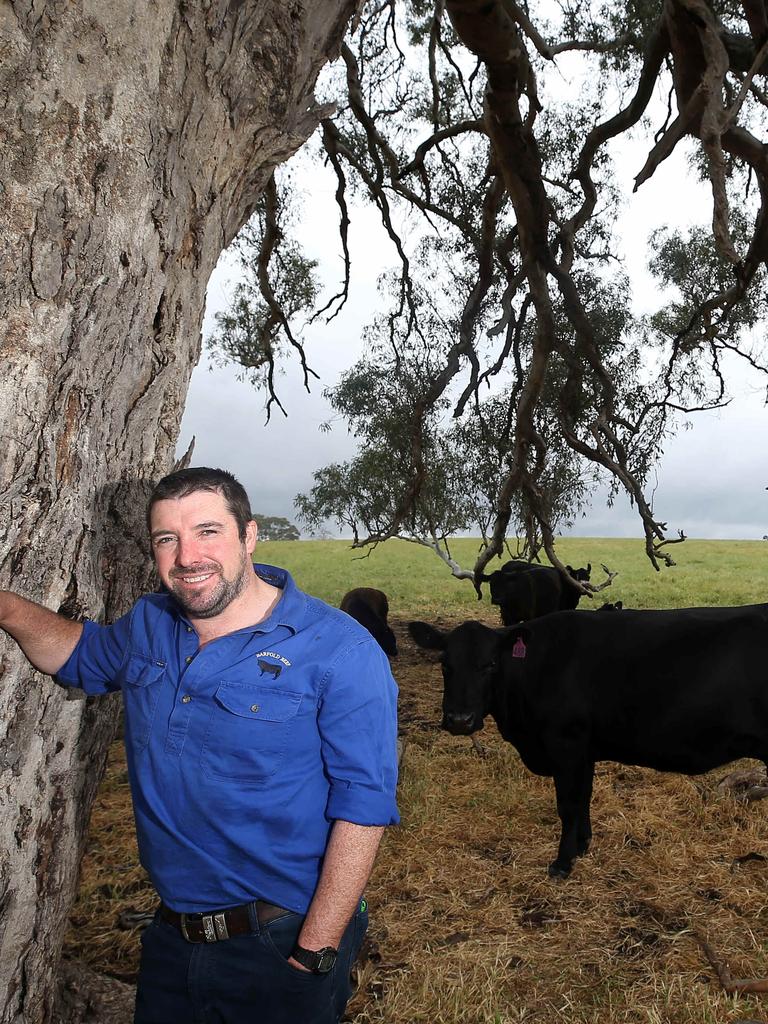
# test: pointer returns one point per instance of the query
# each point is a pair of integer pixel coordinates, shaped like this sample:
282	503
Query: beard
208	605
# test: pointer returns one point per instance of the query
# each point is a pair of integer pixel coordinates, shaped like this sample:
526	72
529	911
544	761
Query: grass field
418	583
466	926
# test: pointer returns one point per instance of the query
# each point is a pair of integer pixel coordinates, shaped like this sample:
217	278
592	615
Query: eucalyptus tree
492	125
137	139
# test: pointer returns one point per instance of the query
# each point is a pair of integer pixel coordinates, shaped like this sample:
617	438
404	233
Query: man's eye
163	540
206	533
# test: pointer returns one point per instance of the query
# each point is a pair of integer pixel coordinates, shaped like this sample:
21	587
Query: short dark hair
201	478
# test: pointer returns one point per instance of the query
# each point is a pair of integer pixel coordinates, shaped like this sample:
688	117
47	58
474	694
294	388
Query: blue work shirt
242	753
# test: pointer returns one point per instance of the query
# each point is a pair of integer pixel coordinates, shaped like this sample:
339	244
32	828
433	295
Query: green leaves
275	528
277	284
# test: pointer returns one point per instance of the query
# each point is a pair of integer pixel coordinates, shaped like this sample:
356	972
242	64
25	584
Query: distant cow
370	607
523	590
571	596
615	606
681	691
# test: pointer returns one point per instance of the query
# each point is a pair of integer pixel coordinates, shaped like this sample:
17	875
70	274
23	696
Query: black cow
615	606
678	691
571	596
523	590
370	607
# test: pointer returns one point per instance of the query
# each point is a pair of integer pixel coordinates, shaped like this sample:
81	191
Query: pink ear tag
518	650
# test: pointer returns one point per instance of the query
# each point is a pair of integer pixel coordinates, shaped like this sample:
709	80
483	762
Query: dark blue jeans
243	980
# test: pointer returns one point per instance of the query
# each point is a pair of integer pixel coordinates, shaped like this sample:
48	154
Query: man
260	735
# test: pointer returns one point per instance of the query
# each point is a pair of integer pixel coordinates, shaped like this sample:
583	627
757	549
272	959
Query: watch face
326	960
319	961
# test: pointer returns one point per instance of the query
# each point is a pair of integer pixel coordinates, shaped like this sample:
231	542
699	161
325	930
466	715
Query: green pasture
419	584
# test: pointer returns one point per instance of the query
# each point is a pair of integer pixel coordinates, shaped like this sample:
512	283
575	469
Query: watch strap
319	961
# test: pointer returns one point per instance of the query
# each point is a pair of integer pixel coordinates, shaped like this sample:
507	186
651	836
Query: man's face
198	552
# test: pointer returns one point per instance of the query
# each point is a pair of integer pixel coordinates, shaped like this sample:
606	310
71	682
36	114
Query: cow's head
582	575
497	586
506	586
470	657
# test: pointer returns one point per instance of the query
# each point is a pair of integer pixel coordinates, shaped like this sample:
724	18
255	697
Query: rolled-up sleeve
357	718
95	662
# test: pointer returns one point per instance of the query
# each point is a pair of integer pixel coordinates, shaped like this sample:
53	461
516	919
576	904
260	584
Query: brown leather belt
221	924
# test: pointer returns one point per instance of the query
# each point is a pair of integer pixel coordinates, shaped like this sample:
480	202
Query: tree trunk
136	139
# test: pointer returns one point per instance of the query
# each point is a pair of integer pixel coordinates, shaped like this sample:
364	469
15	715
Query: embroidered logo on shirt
273	654
267	668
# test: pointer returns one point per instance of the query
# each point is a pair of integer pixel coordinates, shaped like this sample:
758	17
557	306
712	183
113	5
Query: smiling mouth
197	578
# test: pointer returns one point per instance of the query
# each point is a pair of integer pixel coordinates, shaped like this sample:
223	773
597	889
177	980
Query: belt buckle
209	929
214	927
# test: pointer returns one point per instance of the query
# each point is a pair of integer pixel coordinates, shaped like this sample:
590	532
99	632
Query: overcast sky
713	476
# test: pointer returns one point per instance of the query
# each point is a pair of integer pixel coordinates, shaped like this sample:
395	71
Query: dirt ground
466	927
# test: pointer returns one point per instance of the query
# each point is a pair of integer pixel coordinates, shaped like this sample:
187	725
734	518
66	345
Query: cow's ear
589	568
619	606
514	634
427	636
569	569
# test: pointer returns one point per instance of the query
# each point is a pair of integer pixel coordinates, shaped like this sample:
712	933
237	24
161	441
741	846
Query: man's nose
186	551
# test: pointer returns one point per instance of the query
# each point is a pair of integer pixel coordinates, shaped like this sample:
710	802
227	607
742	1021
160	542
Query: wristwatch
319	961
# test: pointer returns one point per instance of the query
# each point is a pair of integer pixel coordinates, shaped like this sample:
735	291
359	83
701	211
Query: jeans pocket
280	937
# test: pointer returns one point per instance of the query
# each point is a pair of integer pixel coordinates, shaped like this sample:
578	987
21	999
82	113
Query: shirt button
188	659
254	708
189	629
186	699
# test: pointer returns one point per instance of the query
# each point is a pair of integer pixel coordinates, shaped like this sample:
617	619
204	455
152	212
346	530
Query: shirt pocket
248	732
140	678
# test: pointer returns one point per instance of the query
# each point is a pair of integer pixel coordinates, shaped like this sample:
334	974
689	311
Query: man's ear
251	536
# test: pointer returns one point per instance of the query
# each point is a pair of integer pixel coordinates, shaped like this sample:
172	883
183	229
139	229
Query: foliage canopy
275	528
509	368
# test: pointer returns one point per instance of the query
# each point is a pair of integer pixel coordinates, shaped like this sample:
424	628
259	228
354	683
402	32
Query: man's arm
347	864
47	639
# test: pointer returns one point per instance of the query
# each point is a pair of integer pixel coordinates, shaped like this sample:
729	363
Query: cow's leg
573	787
584	835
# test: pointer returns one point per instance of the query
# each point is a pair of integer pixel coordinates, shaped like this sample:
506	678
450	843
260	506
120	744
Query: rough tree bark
136	139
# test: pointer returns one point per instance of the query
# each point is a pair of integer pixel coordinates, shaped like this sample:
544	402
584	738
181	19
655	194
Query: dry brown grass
466	927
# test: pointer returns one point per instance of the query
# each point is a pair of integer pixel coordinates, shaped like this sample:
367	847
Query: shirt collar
290	609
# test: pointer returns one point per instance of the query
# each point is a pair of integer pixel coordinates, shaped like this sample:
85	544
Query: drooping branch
329	143
655	51
440	548
441	135
550	50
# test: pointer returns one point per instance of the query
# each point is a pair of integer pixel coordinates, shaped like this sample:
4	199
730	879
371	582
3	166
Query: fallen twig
726	979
